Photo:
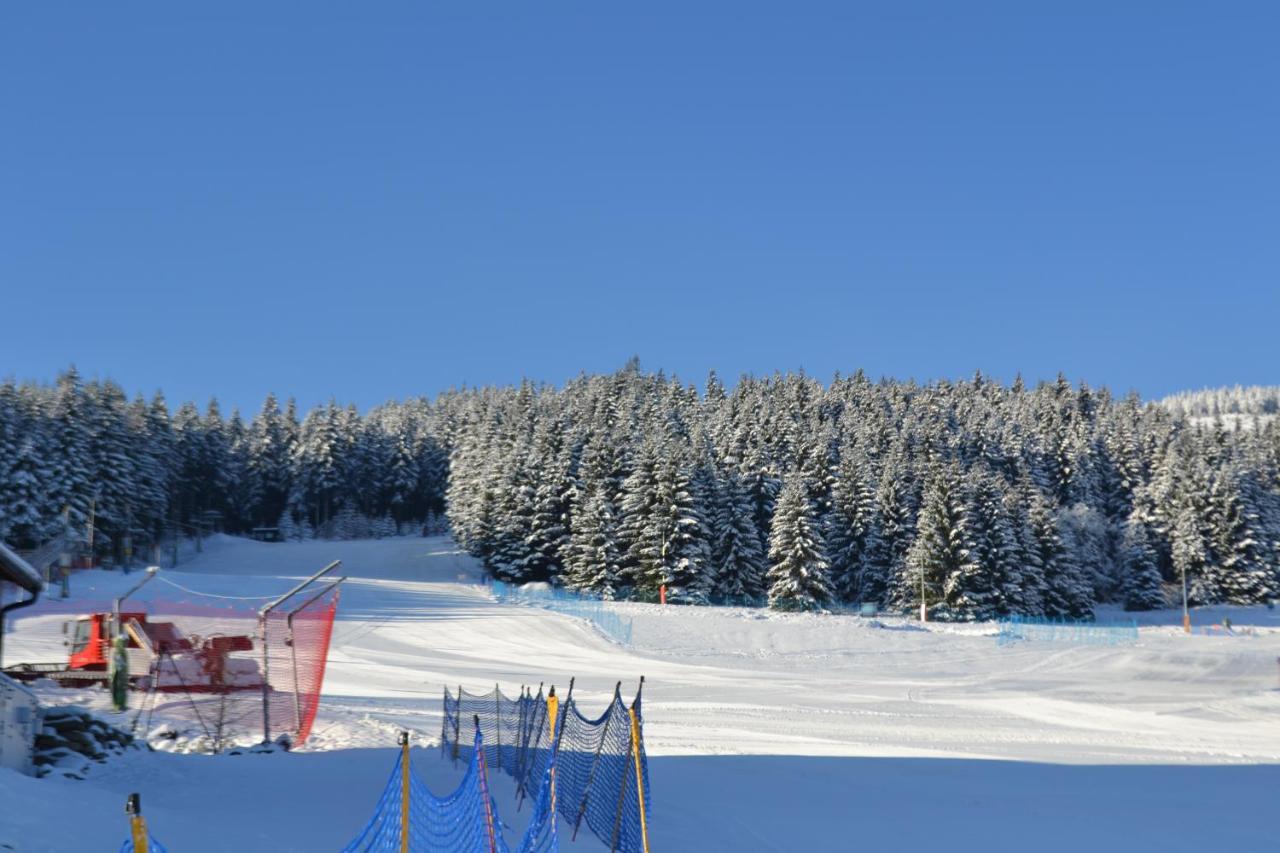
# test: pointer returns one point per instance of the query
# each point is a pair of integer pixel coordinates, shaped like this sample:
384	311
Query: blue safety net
1073	631
569	602
153	846
594	762
464	821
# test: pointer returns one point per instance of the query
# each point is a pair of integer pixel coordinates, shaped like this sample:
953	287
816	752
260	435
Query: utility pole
118	665
93	505
127	539
924	608
662	583
1186	614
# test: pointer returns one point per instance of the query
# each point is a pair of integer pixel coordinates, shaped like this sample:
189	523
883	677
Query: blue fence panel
459	822
595	767
1073	631
570	603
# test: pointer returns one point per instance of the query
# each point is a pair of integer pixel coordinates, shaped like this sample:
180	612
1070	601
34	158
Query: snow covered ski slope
764	731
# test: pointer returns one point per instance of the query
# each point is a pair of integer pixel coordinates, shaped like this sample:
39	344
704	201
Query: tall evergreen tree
1140	568
23	515
851	530
270	448
939	560
738	556
70	485
798	569
592	561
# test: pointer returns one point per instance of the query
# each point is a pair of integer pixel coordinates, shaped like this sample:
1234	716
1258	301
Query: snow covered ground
765	731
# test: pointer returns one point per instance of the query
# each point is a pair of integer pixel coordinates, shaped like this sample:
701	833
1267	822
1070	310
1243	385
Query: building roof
17	570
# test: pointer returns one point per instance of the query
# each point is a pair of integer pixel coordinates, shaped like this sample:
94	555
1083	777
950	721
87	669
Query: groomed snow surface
764	731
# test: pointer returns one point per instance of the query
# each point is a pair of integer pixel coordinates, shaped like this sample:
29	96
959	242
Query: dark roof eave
17	570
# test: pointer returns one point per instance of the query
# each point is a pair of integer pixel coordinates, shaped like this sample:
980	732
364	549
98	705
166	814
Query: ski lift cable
190	591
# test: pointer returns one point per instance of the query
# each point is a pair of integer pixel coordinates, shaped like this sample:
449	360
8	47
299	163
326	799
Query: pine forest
978	497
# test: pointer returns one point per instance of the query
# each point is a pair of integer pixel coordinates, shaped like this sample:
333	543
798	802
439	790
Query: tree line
1254	400
976	497
77	450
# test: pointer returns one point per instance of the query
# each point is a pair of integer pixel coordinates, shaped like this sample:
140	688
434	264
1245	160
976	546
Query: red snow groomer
161	656
278	649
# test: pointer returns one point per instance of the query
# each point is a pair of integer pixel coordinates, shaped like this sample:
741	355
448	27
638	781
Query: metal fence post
457	724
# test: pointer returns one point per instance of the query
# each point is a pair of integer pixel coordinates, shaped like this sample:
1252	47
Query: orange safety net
297	648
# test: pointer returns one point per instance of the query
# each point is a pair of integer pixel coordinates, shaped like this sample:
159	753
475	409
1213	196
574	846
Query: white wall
19	722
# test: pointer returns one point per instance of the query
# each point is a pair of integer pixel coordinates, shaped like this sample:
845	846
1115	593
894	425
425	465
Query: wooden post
635	752
404	792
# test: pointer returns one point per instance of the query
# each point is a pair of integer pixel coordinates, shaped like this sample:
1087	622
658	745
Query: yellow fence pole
137	824
404	792
553	709
635	754
553	714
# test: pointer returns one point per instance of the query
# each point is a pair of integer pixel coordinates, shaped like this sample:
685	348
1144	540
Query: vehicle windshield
80	636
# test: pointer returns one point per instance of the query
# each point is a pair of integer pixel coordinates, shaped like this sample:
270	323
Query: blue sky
381	200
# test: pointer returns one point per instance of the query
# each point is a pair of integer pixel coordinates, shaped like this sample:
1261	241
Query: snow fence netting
596	759
570	603
213	668
297	647
1060	630
464	821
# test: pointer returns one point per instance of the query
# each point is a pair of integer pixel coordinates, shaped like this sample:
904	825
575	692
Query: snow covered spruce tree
592	561
1052	490
1066	592
944	577
669	543
798	575
1140	568
738	557
851	530
991	582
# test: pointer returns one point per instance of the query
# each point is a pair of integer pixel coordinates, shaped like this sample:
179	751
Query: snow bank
765	731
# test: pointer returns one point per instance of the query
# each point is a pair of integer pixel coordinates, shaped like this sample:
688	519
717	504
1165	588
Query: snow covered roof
17	570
